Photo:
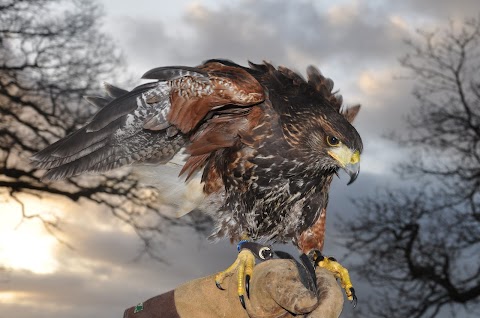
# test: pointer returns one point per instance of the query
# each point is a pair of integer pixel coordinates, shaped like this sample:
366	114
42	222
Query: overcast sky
356	43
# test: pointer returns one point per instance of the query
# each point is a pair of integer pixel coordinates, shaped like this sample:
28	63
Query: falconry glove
275	291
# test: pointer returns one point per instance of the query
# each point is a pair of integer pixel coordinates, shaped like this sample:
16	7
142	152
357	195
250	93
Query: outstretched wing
151	123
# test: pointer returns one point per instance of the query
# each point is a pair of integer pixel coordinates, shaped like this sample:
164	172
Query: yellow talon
339	272
220	277
244	265
241	271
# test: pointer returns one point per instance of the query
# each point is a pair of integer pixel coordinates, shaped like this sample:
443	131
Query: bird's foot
331	264
244	264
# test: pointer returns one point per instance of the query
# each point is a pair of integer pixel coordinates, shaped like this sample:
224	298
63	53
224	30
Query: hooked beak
348	159
353	170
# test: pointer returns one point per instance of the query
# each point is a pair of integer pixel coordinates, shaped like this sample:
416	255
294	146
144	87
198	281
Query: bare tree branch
52	53
425	241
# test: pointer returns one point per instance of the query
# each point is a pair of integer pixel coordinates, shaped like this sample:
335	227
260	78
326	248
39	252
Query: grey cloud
102	247
145	42
262	30
440	10
107	283
385	110
268	29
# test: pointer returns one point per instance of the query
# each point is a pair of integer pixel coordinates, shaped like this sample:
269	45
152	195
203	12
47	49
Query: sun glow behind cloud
26	245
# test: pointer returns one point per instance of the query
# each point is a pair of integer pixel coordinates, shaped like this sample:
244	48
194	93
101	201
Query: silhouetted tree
52	53
421	244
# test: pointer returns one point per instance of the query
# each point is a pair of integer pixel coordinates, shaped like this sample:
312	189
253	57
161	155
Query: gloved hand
275	291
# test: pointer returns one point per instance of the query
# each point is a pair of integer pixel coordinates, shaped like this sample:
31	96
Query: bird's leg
247	252
331	264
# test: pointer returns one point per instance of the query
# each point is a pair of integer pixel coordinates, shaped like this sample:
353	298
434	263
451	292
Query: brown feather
212	179
258	126
193	98
218	132
351	113
324	85
187	112
193	164
314	237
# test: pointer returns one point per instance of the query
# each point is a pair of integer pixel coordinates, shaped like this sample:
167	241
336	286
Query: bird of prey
266	141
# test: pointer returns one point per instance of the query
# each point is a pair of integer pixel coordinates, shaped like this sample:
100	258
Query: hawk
266	141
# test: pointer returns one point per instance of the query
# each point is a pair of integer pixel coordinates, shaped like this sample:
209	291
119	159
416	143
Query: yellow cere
355	157
344	155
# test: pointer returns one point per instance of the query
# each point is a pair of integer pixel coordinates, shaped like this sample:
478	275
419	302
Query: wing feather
193	99
151	123
169	73
113	91
119	107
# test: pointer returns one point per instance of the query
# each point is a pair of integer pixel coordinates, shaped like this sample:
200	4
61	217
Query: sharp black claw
354	300
242	301
219	286
317	257
247	285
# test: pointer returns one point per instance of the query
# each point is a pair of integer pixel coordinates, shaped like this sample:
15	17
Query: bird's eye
332	141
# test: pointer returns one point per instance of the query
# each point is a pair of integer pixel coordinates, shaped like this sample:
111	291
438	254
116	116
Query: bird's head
345	157
316	124
340	142
330	141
